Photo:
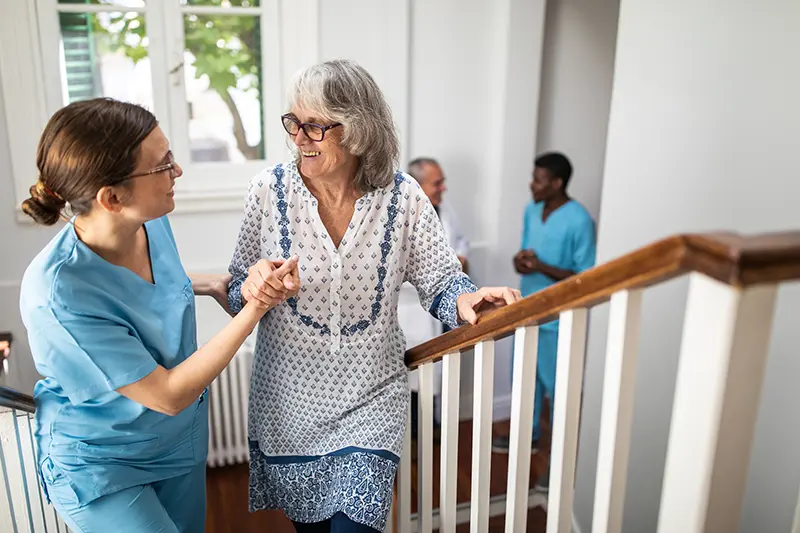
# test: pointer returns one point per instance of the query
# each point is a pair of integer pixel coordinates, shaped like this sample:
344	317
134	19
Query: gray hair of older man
343	91
415	167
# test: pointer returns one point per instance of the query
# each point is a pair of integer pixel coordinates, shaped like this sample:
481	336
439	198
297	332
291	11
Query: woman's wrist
255	310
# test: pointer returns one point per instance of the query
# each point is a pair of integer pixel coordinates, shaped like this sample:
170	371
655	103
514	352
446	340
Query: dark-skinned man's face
544	185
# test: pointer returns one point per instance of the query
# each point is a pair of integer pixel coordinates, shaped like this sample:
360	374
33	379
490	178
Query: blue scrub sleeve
88	356
585	246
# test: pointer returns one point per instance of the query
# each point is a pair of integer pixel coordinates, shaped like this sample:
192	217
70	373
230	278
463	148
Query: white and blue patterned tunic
329	390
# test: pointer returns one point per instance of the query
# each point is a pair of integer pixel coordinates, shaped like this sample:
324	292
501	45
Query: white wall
18	245
454	73
580	39
574	102
704	135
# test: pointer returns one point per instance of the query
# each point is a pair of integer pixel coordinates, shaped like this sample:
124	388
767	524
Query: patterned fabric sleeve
248	250
433	267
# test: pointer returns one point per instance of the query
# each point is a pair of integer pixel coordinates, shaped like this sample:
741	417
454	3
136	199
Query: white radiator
227	437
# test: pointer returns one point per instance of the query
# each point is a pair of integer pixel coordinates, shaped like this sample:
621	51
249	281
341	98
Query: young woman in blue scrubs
122	430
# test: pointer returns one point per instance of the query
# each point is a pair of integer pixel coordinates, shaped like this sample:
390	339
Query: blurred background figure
5	351
418	325
428	173
558	241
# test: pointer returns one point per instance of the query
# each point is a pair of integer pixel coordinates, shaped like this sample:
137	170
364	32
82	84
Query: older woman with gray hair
329	390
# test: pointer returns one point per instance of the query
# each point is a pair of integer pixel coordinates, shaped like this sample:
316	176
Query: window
212	71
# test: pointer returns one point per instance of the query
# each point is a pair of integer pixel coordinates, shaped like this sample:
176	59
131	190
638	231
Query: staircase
23	507
727	327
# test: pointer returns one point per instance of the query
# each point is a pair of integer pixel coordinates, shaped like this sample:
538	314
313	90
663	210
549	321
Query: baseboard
497	507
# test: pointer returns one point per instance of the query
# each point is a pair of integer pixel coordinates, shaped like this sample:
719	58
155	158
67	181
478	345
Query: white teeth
311	154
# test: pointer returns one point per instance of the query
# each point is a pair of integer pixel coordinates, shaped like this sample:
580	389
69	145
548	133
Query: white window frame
30	76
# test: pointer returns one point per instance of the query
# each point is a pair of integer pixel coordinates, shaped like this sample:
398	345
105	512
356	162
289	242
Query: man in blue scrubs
558	241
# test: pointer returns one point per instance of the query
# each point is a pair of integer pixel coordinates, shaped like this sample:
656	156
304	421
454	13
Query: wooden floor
537	523
228	487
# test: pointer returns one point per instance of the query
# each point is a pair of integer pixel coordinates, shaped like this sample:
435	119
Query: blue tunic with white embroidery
329	389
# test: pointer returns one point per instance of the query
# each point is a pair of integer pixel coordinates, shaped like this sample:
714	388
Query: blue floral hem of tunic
358	484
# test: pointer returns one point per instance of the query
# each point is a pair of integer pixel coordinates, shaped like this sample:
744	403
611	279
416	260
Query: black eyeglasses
315	132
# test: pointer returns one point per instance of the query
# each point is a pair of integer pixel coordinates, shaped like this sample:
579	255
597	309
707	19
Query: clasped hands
270	283
526	262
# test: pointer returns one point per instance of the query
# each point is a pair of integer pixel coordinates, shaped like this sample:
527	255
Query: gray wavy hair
343	91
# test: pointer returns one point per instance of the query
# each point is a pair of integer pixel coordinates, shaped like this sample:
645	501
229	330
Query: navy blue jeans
338	523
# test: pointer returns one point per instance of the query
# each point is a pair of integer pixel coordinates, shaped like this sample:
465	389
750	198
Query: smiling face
152	193
325	158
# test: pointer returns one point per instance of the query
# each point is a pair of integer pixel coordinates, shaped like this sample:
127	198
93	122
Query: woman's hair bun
44	206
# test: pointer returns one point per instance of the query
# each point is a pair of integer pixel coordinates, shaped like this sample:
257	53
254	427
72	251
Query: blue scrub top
565	240
94	327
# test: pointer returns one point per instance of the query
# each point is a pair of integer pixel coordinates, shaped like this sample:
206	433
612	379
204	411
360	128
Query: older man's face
432	183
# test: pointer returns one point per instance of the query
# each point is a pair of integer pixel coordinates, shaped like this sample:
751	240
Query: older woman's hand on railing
470	304
272	282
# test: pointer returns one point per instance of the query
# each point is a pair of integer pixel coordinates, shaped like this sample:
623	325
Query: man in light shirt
430	177
416	322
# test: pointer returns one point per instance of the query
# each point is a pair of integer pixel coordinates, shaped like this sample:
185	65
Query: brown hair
85	146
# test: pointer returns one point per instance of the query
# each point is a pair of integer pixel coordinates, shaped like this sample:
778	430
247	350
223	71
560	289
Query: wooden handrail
729	258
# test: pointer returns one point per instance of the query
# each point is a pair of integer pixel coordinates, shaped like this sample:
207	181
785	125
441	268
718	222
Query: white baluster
212	454
8	520
238	396
451	379
225	379
404	482
35	486
25	448
483	389
425	446
243	365
617	411
569	381
519	454
723	353
12	469
214	394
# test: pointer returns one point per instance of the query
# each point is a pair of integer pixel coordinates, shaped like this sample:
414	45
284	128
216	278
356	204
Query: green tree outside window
226	49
